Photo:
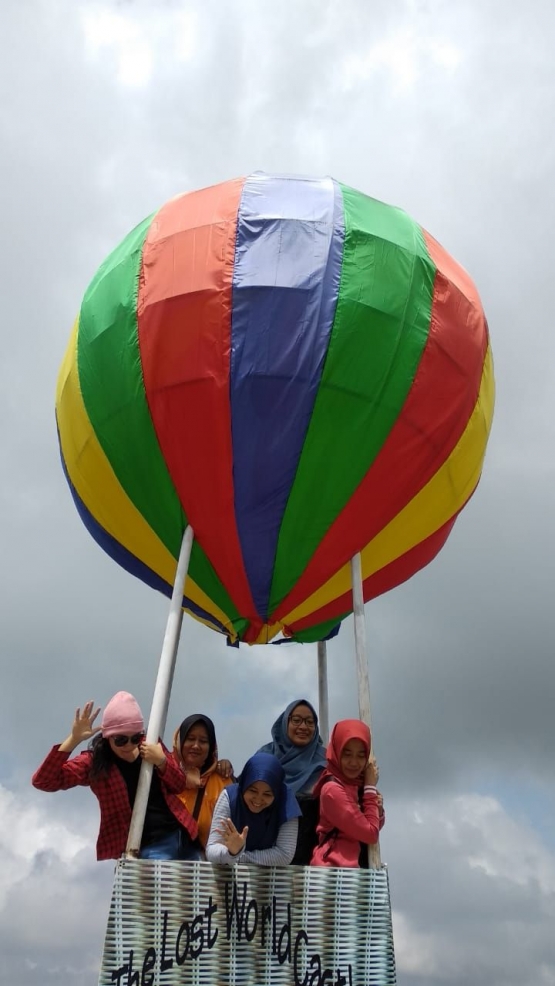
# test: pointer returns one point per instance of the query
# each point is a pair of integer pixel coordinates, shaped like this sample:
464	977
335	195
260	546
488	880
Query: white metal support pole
162	691
363	680
323	703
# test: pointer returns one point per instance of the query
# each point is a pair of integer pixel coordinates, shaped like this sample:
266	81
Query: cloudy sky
445	109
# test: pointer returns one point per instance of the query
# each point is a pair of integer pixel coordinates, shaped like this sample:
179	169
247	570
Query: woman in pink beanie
110	767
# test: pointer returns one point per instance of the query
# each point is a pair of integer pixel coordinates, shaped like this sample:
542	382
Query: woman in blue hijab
297	744
255	820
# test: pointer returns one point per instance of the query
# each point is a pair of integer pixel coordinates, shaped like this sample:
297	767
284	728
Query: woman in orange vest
196	751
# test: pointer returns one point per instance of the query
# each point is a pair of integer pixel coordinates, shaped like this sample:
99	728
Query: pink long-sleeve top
340	810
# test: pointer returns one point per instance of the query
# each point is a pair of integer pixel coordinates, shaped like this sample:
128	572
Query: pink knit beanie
122	716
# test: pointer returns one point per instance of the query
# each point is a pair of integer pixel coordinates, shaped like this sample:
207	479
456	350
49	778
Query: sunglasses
124	740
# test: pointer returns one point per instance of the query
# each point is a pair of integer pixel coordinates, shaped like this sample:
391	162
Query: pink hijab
343	731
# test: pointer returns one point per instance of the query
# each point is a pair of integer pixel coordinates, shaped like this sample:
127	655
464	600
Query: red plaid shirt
59	773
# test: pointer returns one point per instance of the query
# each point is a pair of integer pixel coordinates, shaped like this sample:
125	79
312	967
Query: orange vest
214	786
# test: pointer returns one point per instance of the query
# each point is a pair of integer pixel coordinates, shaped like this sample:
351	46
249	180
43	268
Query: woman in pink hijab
350	807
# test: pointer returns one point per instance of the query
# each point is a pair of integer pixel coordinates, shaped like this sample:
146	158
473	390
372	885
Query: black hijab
186	727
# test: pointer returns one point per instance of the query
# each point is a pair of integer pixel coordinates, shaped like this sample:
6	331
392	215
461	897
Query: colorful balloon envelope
298	371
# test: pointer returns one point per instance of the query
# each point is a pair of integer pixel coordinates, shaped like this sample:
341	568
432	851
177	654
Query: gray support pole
162	691
363	681
323	703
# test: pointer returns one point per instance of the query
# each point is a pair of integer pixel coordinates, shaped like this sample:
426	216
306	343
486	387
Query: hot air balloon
300	372
300	375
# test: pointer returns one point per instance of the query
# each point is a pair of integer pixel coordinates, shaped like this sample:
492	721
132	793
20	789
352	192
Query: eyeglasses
124	740
298	721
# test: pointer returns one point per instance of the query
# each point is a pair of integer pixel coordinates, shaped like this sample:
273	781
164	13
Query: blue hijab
302	764
263	825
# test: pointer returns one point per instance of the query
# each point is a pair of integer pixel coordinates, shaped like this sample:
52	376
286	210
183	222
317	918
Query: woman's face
258	796
126	751
353	759
301	725
196	746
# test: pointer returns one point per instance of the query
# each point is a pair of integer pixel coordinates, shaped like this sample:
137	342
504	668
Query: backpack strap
330	836
363	852
198	803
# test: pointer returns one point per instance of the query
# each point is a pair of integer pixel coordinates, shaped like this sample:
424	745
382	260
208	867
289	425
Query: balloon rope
363	681
162	691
